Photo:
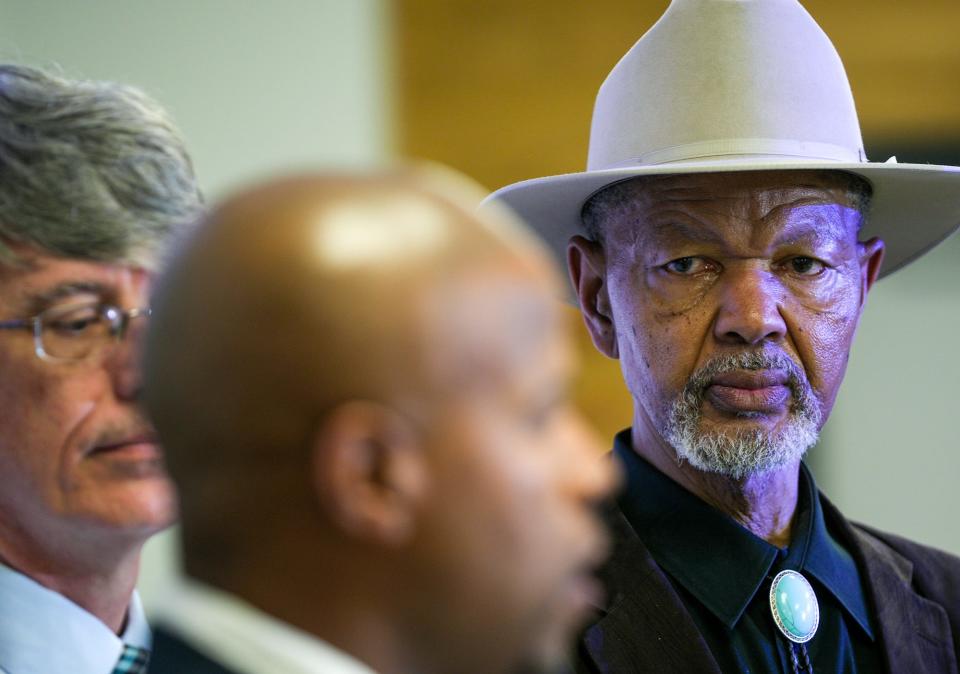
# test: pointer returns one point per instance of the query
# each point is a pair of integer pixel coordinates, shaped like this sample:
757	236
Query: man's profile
93	179
361	389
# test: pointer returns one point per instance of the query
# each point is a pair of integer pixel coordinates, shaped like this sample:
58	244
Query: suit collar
646	627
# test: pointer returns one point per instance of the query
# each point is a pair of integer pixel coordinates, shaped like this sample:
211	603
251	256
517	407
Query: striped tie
133	660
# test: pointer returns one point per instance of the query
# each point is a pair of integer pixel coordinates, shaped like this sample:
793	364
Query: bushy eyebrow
37	302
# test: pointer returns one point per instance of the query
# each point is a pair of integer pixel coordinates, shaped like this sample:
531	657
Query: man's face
733	300
79	460
514	538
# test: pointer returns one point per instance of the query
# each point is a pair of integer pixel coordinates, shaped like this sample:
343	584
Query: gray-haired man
93	179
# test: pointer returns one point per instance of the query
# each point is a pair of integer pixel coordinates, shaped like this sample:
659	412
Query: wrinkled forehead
37	279
770	203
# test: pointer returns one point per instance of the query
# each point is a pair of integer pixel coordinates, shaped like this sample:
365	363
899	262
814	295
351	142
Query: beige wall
256	86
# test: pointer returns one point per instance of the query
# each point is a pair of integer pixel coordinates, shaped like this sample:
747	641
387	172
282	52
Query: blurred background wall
503	90
256	87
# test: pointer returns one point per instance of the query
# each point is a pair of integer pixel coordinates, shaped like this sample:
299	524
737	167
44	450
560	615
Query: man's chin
130	509
745	452
155	506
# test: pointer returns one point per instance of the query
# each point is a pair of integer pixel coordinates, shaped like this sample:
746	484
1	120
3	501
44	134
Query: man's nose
123	360
750	308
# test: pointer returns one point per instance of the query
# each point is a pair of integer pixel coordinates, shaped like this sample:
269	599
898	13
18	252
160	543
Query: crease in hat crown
732	78
738	85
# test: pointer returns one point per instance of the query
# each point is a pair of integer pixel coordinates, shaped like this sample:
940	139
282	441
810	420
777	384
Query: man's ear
871	258
587	265
369	472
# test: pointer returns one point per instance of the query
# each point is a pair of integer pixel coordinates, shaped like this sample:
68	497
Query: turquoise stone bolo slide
794	606
796	611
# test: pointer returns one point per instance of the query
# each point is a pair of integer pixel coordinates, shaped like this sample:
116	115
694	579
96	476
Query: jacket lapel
914	632
646	628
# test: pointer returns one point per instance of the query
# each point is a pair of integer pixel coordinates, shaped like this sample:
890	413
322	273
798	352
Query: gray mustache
797	380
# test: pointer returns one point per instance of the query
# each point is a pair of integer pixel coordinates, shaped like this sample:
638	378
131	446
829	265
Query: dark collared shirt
723	573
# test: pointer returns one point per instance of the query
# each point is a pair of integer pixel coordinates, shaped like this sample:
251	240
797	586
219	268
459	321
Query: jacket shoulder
930	573
931	567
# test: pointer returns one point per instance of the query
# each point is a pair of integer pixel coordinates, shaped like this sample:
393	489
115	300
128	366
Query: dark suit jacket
913	590
172	655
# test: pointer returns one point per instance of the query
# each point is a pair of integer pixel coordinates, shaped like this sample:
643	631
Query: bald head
301	293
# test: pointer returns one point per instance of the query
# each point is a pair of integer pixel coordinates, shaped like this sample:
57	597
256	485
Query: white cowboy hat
738	85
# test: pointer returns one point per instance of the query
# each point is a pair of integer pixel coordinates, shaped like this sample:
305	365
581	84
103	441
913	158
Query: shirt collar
816	552
136	632
718	561
244	638
33	617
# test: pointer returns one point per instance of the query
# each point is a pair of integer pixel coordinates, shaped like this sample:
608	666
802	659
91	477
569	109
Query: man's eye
685	265
76	324
806	266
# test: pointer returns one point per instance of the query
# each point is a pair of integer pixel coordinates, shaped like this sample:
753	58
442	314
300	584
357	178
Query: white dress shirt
243	638
43	632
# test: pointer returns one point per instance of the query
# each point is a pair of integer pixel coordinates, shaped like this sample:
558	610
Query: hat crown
727	79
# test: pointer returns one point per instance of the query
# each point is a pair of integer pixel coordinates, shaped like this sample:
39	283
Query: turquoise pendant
794	606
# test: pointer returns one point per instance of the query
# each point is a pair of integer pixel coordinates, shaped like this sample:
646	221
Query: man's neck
764	504
103	590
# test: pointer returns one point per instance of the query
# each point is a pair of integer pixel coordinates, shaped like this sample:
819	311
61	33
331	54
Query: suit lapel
914	632
647	628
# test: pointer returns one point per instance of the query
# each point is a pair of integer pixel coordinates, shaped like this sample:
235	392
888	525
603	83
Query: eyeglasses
74	332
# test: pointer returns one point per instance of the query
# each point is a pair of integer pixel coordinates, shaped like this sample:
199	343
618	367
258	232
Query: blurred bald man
361	387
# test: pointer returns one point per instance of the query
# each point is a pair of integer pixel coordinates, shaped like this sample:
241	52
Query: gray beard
739	453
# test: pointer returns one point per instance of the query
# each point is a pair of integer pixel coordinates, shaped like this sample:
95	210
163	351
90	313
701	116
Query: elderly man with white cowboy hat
721	245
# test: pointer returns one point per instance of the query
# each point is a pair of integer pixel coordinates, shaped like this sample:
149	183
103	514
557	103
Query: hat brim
914	206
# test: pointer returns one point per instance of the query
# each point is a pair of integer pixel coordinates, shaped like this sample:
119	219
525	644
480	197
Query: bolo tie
797	615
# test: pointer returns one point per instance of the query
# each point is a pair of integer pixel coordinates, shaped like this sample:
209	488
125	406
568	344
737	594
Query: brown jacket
913	591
